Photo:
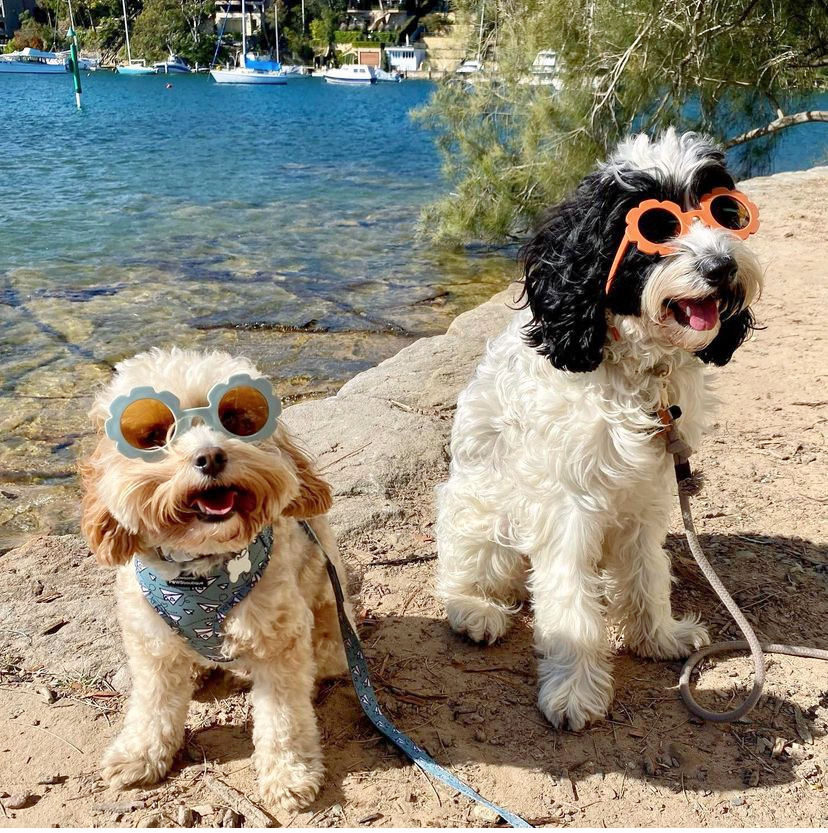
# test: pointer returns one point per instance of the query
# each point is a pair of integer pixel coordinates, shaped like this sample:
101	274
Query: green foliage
364	38
176	26
511	148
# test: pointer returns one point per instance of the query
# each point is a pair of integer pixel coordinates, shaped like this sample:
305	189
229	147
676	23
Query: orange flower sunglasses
652	223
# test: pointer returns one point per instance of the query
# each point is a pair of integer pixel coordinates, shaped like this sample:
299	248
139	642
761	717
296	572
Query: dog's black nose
718	270
210	461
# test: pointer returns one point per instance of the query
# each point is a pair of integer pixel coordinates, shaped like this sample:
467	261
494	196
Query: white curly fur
284	635
559	487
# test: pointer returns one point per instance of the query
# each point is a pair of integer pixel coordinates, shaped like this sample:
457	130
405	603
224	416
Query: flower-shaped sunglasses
143	423
652	223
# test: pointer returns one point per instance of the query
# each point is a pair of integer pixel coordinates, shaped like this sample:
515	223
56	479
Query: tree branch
778	124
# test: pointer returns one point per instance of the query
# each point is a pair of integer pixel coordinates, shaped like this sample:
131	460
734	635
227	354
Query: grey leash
687	486
368	701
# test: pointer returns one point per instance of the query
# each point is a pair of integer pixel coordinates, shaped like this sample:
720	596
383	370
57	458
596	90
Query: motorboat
174	65
382	75
469	67
544	71
34	61
351	74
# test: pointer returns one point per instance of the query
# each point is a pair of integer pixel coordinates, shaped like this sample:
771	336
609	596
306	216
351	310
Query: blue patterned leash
368	701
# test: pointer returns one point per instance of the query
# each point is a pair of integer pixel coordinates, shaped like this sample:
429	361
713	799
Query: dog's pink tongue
216	501
701	315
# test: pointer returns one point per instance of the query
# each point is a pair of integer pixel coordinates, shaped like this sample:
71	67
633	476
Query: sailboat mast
126	31
244	35
276	26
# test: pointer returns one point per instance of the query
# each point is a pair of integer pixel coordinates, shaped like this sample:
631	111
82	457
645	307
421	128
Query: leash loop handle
685	481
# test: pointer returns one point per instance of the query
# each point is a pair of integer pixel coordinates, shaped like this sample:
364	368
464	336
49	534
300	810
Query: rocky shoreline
382	443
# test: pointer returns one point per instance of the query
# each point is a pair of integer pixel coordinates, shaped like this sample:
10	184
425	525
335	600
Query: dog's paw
289	782
482	620
672	639
574	695
124	767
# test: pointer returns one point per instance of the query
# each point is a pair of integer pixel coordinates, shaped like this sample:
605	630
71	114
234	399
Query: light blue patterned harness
196	606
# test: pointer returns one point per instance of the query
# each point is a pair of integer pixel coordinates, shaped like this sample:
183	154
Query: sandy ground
762	519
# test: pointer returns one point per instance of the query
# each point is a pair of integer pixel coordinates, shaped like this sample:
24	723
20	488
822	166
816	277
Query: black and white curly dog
559	486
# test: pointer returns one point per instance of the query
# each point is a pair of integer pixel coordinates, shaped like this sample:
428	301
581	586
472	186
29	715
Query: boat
133	66
136	66
544	70
352	74
33	61
251	70
469	67
382	75
174	65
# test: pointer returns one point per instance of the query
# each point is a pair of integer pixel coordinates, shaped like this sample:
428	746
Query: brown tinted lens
243	411
658	225
146	423
729	212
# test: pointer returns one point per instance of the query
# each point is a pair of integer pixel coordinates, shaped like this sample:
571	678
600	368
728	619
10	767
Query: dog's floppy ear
314	496
733	332
111	543
566	266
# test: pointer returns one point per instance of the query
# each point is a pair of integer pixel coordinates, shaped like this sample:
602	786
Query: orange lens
243	411
658	225
146	423
729	212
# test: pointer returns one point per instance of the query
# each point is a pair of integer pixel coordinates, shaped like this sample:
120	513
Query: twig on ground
396	562
240	803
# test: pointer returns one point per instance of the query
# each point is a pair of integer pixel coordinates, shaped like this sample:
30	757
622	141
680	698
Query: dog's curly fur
284	635
559	485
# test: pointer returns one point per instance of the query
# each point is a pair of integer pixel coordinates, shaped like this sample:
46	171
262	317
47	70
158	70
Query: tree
730	68
176	26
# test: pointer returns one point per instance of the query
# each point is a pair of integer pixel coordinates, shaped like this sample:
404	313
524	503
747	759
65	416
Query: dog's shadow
468	705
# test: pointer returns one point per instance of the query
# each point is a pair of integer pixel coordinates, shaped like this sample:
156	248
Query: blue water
278	222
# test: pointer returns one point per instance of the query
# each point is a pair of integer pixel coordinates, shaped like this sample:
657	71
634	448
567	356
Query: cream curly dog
195	488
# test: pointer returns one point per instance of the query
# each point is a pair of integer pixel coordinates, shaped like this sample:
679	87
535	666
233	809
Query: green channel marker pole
73	65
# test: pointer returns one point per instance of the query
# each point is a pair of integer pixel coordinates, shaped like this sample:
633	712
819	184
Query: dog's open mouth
696	313
217	504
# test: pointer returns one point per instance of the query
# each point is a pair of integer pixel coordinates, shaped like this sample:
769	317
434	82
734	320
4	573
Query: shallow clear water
278	222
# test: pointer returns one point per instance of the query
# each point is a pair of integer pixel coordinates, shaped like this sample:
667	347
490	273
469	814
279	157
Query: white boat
470	67
133	66
382	75
544	70
174	65
351	74
243	75
267	71
33	61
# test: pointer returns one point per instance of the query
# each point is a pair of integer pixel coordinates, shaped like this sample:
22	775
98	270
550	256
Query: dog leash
368	702
689	485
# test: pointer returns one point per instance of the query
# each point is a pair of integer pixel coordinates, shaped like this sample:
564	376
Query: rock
484	815
152	820
230	819
185	816
121	680
18	801
46	694
51	779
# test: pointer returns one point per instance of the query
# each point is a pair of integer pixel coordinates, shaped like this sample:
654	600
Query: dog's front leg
574	667
287	753
162	685
640	569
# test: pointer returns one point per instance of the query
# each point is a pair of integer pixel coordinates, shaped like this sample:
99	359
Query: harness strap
368	701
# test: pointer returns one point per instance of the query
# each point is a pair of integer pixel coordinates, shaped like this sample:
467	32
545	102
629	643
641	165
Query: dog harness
196	606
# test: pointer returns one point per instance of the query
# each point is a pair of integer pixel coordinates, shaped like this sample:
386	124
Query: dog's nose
210	461
718	270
